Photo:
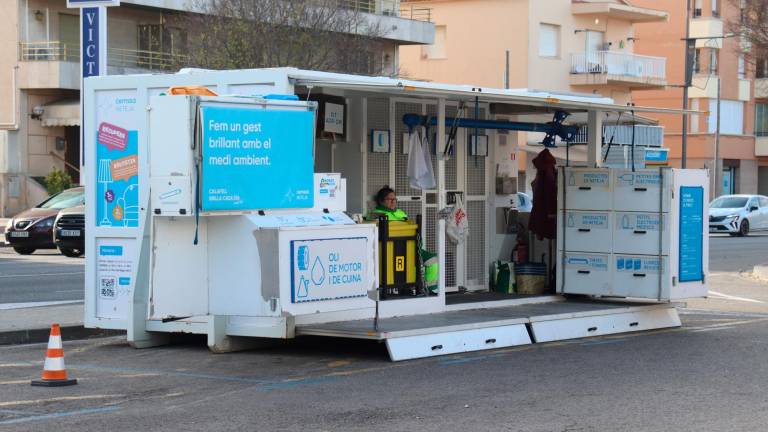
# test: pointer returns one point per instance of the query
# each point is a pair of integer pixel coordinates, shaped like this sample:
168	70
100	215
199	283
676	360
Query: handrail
70	52
65	162
618	63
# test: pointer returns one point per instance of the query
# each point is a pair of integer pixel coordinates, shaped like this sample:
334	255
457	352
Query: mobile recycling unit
229	215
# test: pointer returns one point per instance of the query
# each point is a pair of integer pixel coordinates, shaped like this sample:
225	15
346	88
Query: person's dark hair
382	193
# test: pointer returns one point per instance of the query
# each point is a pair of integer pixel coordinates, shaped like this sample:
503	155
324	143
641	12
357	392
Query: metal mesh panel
451	166
476	266
412	208
401	160
475	165
450	264
430	228
377	163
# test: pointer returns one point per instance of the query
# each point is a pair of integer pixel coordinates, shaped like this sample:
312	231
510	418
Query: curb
73	332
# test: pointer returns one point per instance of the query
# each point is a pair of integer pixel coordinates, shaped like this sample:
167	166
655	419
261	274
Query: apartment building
572	46
40	75
717	61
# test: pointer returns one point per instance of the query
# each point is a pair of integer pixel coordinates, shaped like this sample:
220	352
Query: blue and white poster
117	159
691	233
254	159
329	269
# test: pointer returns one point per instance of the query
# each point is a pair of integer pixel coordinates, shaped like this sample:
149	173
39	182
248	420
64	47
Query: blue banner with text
254	159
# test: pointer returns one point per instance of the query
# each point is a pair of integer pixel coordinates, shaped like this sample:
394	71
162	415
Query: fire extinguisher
520	253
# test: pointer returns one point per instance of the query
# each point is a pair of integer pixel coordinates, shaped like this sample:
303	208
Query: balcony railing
620	64
70	52
650	136
412	12
49	51
388	8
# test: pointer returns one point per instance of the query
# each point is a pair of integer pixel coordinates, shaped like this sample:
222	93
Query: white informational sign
588	220
637	264
636	221
643	178
333	120
328	192
114	276
380	141
91	3
599	179
329	269
587	262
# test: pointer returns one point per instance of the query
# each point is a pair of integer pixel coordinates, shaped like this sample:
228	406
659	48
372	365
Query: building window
742	73
761	119
715	10
761	68
549	40
731	118
713	61
697	9
697	60
694	124
437	50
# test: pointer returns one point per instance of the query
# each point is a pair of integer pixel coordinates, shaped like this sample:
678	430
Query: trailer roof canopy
504	99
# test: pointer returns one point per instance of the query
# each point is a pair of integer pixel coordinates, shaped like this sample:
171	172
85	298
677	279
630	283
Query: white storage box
638	275
588	273
586	189
638	233
587	231
634	221
640	190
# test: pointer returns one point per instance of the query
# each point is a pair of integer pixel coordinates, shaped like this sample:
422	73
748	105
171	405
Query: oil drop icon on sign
318	272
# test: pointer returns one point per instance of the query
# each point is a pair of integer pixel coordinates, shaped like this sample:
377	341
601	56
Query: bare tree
326	35
751	24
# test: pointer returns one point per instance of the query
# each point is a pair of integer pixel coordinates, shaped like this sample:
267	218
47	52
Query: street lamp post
688	73
718	163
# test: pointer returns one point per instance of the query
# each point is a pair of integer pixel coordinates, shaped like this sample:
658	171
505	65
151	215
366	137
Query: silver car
737	215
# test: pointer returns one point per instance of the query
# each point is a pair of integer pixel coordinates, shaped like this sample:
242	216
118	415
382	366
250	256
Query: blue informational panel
329	269
256	159
691	233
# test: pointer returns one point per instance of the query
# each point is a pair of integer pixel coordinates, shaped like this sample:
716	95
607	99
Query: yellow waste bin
398	257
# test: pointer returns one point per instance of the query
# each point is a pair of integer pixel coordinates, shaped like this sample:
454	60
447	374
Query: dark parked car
69	231
33	229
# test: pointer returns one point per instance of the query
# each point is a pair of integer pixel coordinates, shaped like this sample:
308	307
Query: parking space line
24	381
42	274
9	306
61	414
57	399
730	297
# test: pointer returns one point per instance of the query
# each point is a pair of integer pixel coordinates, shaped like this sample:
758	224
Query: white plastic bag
457	226
420	173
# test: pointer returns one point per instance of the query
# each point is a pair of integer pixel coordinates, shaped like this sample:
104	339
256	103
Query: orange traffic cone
54	372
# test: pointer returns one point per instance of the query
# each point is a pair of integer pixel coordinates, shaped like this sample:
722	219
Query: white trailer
211	214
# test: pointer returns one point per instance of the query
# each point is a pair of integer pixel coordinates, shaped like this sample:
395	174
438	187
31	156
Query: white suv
738	214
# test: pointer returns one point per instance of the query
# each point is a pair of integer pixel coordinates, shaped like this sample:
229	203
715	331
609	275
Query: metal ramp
452	332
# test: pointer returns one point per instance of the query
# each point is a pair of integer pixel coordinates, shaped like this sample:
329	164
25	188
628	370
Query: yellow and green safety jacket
393	215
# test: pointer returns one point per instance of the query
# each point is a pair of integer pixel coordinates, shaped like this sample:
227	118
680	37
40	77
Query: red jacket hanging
543	220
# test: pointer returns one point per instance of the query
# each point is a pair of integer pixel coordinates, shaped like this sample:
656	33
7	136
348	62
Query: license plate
19	233
70	233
